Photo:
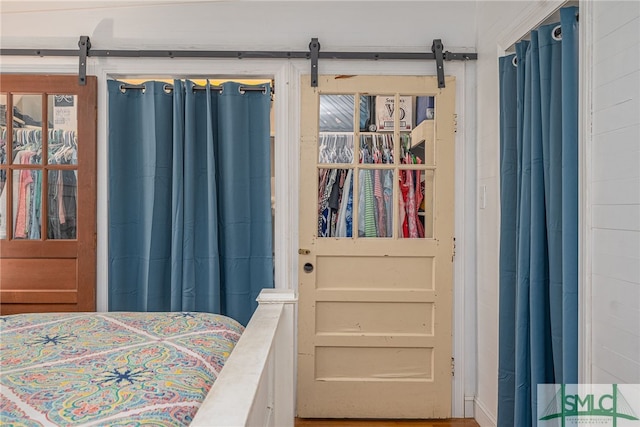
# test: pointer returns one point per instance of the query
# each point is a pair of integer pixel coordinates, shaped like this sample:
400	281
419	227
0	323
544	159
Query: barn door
47	193
376	247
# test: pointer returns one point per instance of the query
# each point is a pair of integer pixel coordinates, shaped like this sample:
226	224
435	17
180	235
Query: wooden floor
457	422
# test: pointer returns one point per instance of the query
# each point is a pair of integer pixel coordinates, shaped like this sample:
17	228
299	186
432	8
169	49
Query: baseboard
483	416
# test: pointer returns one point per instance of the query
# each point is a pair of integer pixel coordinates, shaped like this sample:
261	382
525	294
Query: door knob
308	267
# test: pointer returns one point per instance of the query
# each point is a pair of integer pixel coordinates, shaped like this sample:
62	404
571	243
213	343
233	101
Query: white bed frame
255	387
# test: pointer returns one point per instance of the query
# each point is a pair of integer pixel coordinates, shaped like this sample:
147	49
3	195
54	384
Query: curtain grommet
167	88
556	33
514	61
123	88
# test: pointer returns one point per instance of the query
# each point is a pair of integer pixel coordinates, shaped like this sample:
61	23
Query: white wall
257	25
615	193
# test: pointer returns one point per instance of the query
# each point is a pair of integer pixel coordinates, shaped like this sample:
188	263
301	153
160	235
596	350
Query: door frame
464	283
286	74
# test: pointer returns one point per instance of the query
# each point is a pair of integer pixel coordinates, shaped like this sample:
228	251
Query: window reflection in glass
336	113
27	128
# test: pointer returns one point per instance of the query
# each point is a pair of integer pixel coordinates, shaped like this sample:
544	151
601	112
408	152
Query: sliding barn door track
314	54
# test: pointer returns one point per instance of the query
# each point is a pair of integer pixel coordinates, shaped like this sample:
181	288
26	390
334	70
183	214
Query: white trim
459	306
534	14
469	406
585	146
289	186
483	416
464	291
467	306
256	386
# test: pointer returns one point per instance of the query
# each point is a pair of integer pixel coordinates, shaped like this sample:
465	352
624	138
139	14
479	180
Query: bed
163	369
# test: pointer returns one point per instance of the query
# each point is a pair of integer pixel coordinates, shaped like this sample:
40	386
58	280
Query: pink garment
412	207
20	230
404	190
419	197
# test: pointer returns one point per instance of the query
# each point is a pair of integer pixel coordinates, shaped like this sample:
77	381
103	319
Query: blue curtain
538	318
189	198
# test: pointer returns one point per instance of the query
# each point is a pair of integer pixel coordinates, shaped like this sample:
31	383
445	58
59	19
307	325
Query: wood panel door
376	247
47	193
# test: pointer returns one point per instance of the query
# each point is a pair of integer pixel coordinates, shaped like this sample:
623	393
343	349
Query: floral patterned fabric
116	369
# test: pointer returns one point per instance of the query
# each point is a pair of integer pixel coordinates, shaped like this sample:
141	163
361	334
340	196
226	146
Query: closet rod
169	87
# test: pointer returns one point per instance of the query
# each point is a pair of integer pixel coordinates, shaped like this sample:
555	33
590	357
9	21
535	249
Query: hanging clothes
27	184
345	220
375	212
334	208
411	197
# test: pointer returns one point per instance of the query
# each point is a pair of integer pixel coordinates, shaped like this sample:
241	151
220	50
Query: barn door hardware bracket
84	44
314	51
436	48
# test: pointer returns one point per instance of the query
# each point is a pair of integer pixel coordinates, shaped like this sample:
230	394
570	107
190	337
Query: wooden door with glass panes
47	193
376	247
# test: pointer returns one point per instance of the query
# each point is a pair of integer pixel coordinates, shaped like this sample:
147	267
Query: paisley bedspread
115	369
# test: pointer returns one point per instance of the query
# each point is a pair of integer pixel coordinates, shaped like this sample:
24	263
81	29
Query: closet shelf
422	137
425	131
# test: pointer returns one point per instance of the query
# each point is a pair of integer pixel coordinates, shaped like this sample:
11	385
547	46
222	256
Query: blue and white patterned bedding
111	369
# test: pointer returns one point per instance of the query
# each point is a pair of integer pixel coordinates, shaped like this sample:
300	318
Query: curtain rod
437	53
169	87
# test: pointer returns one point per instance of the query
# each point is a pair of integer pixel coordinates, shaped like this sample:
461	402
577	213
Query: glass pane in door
62	204
375	200
3	204
3	129
416	203
27	129
335	147
335	202
335	143
62	129
423	134
3	161
376	148
27	203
